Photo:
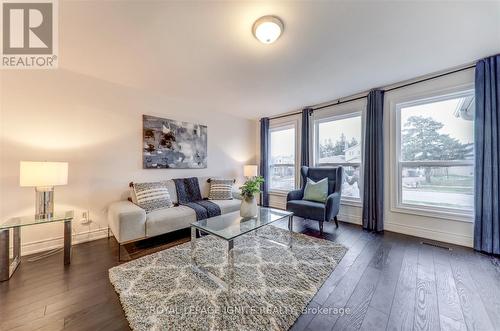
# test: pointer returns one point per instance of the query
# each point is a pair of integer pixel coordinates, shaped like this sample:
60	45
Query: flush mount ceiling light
268	29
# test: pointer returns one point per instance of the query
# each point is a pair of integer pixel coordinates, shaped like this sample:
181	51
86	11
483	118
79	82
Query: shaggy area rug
271	284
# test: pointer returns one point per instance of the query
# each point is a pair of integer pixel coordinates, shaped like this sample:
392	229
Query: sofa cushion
152	196
221	189
228	206
308	209
171	189
204	186
170	219
132	197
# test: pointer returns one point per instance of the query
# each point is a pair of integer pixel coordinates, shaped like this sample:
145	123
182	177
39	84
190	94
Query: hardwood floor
384	282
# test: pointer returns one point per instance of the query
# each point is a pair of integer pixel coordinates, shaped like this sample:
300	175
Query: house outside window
338	142
283	155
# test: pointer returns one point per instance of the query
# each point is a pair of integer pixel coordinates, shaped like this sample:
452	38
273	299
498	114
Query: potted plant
249	190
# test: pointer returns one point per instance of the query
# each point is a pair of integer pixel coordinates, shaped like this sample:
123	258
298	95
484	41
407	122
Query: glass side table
7	267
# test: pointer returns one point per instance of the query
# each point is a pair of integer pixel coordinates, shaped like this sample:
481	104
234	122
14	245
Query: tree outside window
437	153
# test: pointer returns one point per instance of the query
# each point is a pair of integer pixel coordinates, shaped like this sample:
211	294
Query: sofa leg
120	247
119	252
321	227
336	221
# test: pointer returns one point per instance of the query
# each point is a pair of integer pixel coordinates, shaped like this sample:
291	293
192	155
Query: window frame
284	124
397	164
334	113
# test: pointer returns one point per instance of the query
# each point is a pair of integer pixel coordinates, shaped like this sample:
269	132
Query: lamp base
44	204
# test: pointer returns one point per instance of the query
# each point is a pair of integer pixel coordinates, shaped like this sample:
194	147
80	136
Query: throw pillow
132	197
221	189
152	196
316	191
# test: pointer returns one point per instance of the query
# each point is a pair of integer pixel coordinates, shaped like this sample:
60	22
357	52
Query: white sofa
129	222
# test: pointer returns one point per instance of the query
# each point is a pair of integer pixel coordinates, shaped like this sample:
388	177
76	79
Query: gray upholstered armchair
313	210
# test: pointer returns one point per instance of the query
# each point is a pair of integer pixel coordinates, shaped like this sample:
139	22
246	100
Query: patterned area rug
271	284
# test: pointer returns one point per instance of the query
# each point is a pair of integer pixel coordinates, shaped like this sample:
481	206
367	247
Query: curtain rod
403	85
387	89
285	115
430	78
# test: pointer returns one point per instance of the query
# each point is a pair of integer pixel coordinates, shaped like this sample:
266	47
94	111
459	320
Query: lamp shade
43	174
250	170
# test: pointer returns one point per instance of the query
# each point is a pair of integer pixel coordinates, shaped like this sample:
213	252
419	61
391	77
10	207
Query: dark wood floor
388	281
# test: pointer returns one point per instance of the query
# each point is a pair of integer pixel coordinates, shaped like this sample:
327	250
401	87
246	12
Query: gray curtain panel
264	162
305	137
373	175
487	146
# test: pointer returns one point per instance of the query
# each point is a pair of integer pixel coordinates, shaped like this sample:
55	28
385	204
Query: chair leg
336	221
321	227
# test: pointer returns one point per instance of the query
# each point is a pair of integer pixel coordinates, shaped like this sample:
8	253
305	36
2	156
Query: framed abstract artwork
173	144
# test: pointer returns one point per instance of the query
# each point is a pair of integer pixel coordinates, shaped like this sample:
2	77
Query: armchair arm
295	195
332	206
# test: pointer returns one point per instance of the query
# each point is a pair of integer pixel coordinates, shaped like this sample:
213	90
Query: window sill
460	216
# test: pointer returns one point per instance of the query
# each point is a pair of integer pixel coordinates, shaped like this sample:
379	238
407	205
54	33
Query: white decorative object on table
248	207
249	190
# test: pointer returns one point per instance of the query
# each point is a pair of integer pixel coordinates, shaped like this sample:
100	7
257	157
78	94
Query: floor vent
435	245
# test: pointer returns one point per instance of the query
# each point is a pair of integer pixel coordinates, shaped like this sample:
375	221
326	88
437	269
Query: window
282	158
435	153
338	143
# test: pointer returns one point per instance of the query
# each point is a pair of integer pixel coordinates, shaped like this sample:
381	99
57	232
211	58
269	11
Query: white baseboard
417	231
57	242
350	218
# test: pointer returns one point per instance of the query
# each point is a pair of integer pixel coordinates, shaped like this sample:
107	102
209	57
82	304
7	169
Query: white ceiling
205	51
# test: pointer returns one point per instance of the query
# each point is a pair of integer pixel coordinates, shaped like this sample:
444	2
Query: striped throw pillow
221	189
152	196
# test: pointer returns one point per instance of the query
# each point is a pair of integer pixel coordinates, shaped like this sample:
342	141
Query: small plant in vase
249	190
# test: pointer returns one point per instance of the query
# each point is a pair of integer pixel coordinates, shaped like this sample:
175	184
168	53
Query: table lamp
250	171
43	176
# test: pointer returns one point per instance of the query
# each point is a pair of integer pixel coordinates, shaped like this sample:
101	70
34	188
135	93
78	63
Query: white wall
96	125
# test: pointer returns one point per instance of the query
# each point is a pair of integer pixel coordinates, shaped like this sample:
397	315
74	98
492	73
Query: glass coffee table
229	227
7	268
